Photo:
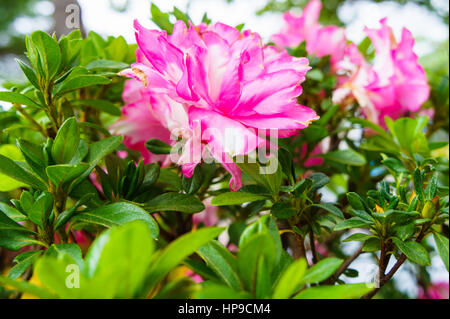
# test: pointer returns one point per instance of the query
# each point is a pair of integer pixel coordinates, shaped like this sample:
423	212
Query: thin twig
29	118
344	266
313	247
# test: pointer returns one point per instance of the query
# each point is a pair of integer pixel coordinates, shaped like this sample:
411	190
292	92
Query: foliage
75	199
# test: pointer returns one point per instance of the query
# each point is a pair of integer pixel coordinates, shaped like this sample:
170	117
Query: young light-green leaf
236	198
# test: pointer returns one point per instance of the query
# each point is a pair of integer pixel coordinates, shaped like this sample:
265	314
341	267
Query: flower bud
428	209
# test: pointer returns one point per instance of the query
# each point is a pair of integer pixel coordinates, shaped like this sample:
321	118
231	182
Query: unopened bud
428	209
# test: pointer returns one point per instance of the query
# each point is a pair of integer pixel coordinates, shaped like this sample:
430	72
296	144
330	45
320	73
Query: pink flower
138	123
311	160
212	87
320	40
208	216
438	290
393	86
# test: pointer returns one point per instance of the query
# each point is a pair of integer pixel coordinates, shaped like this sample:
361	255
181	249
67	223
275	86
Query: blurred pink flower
320	40
311	160
438	290
208	216
393	86
212	86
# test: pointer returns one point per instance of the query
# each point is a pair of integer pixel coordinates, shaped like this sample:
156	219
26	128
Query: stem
301	246
385	278
344	266
313	247
29	118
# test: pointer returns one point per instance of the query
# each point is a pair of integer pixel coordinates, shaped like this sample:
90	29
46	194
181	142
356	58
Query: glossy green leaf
349	291
175	202
346	157
414	251
14	97
442	247
236	198
322	270
222	262
117	214
66	141
177	251
290	280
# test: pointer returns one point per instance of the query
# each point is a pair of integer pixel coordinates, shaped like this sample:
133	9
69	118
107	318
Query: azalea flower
393	86
320	40
213	87
438	290
138	123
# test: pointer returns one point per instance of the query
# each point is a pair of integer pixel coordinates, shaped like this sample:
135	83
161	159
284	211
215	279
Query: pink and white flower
320	40
213	87
393	86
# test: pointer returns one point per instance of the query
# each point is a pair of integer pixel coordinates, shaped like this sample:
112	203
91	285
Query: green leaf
100	149
101	105
287	164
236	198
34	156
322	270
14	236
358	237
120	258
418	184
106	64
283	210
25	286
346	157
180	15
41	209
431	189
161	19
357	202
175	202
330	208
78	82
349	291
117	214
259	248
192	185
24	261
442	247
365	123
29	73
372	244
15	171
64	173
354	222
413	250
290	280
222	262
49	53
7	183
260	174
66	141
215	291
318	180
158	147
71	249
14	97
177	251
12	213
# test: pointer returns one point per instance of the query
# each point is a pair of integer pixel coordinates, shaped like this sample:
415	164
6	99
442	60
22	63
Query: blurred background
426	19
